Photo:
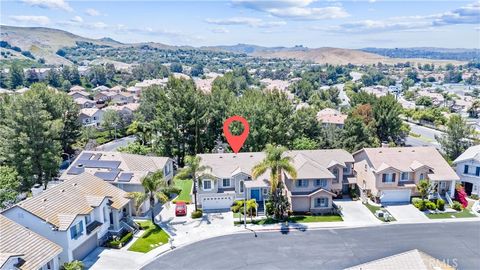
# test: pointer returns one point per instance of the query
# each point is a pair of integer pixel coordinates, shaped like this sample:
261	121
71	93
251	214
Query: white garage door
217	202
395	196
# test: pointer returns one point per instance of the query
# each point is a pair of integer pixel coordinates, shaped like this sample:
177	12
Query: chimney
385	145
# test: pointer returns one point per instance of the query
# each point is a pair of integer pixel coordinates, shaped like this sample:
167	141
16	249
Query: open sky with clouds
345	24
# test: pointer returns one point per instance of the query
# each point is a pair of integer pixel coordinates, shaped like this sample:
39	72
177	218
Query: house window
465	169
443	184
321	202
94	118
226	182
422	176
477	173
404	176
105	215
346	170
76	230
207	185
335	172
388	177
265	191
301	183
241	186
49	265
88	219
320	182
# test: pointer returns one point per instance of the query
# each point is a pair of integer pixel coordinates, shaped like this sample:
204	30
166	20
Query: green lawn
186	186
293	219
153	237
374	209
463	214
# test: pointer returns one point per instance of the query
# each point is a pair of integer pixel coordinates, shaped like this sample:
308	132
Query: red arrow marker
236	142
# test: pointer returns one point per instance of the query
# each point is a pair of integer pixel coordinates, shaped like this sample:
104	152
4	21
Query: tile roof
17	240
60	204
413	259
407	159
89	111
472	152
331	116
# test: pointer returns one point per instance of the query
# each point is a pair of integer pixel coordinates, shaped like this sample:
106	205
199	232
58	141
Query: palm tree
153	185
193	170
277	163
251	206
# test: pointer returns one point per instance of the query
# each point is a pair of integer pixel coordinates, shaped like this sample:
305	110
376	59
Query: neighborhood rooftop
115	166
18	241
408	159
471	153
61	204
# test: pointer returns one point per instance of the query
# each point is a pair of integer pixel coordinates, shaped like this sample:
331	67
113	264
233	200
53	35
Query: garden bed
374	209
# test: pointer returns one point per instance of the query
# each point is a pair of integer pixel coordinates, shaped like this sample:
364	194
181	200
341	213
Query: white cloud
38	20
249	21
469	14
92	12
294	9
49	4
77	19
220	30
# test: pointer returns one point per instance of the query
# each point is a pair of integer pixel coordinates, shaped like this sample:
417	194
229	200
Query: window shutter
384	177
393	177
478	171
465	169
81	228
72	232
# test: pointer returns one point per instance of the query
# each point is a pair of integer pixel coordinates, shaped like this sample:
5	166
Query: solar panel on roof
75	170
125	177
107	176
104	164
85	156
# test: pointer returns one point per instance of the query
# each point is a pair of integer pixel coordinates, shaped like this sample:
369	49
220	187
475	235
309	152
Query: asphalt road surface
455	243
427	136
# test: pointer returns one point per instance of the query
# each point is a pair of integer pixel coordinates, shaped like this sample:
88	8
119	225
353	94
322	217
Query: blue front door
255	194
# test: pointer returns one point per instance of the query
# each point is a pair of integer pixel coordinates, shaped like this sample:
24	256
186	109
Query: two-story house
321	174
77	214
21	248
468	168
390	175
91	117
122	170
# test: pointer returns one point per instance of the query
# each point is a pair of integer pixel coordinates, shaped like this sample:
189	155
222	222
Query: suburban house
117	89
122	170
468	168
84	103
136	91
78	215
104	96
79	94
100	88
77	88
122	98
331	117
321	175
91	117
21	248
390	175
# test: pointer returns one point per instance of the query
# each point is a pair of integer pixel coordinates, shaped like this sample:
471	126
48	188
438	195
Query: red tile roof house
321	174
330	116
390	174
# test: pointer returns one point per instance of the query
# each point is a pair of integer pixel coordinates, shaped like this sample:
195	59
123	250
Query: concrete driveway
406	213
356	212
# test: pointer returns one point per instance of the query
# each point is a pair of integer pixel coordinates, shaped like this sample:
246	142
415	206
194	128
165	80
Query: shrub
457	206
461	195
440	204
269	208
420	204
197	214
430	205
73	265
474	196
172	190
120	242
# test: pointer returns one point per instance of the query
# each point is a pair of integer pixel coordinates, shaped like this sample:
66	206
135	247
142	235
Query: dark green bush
120	242
420	204
430	205
197	214
440	204
457	206
474	196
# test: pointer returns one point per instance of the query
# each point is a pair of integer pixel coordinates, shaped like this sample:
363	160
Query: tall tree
153	185
276	162
111	121
54	78
388	123
17	76
356	135
457	137
9	186
193	170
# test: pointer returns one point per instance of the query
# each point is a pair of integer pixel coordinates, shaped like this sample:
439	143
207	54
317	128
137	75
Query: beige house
390	175
21	248
331	117
321	175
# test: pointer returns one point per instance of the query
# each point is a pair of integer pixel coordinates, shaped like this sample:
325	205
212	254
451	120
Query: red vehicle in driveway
180	209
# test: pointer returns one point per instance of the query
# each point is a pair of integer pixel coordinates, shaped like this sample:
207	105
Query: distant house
122	170
100	88
84	103
79	94
331	117
136	91
117	89
468	168
21	248
390	174
77	215
91	116
123	98
77	88
104	96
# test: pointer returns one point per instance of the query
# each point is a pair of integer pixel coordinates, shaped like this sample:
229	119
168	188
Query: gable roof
413	259
472	153
408	159
61	204
18	241
89	111
331	116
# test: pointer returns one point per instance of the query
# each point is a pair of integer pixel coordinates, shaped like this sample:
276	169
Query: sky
321	23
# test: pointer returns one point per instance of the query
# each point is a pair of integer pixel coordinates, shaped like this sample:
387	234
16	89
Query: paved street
114	145
427	136
454	243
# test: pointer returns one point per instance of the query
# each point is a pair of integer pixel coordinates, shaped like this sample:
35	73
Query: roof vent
220	157
251	155
44	200
63	190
